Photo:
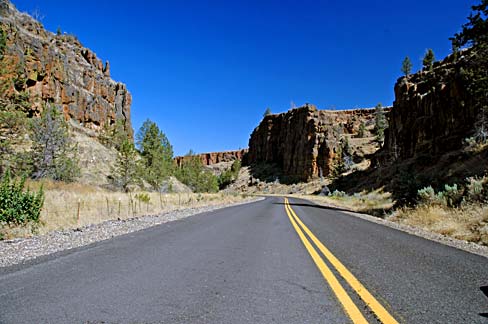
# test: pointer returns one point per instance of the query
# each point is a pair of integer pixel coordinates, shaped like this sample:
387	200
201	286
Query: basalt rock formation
57	69
215	157
432	114
304	142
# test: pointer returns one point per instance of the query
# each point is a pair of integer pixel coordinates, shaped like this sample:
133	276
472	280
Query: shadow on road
484	289
315	206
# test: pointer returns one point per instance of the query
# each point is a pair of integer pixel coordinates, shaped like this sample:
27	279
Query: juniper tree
406	66
475	74
428	60
54	155
229	175
113	135
125	171
475	31
156	153
193	174
380	123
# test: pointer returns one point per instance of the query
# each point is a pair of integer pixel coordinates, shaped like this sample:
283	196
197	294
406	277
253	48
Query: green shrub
193	174
143	197
426	195
230	175
338	193
17	206
54	155
477	189
452	196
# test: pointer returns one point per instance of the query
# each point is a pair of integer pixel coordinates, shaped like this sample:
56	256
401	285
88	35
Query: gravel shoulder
19	251
446	240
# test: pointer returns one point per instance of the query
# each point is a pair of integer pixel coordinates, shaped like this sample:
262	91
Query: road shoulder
17	253
445	240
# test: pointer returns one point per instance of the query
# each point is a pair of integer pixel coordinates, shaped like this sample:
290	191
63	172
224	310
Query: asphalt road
247	264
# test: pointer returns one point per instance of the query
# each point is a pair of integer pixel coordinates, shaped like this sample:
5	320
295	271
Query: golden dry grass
74	205
374	202
468	223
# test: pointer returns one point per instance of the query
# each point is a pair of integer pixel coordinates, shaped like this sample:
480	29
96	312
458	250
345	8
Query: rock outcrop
432	114
215	157
58	69
303	142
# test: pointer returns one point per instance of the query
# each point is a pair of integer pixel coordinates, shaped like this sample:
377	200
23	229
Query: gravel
446	240
20	250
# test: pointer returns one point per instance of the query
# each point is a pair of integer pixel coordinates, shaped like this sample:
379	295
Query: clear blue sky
205	71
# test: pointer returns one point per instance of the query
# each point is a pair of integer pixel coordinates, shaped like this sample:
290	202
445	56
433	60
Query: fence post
78	213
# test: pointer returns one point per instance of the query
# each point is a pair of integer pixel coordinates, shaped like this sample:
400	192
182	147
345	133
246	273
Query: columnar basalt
303	142
57	69
215	157
433	112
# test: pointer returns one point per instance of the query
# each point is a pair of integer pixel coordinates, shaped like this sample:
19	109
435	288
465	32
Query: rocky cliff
433	115
215	157
433	112
303	142
58	69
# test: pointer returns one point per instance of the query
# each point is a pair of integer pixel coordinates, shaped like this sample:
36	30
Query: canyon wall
433	112
215	157
303	142
57	69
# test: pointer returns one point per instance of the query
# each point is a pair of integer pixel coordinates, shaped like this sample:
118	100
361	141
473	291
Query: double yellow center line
351	309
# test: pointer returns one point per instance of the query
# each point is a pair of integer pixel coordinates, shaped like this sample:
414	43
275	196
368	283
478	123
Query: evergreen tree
54	156
475	73
406	66
428	60
156	152
380	123
124	173
193	174
475	31
230	175
267	112
338	165
113	135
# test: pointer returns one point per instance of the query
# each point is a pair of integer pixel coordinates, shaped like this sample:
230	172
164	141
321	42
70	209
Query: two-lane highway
252	264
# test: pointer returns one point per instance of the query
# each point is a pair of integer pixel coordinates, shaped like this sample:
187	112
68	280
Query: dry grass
73	205
374	202
468	223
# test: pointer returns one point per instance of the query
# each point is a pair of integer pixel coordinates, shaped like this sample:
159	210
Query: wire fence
63	210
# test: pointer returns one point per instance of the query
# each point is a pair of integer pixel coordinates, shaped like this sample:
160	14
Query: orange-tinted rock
215	157
303	142
59	70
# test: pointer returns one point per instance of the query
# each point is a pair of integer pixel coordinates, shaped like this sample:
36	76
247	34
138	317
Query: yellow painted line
382	314
351	309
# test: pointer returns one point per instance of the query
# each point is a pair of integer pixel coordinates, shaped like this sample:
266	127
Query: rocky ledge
58	69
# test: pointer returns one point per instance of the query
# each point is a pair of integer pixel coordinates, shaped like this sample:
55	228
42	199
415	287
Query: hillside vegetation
68	157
